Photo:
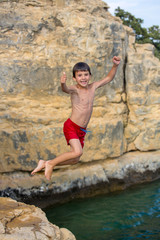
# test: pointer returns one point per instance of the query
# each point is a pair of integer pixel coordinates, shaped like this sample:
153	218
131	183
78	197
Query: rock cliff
39	40
20	221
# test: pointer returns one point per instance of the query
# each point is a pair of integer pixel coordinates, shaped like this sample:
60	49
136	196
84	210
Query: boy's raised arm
110	75
63	84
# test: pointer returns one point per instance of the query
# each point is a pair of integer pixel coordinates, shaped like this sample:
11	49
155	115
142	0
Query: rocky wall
41	39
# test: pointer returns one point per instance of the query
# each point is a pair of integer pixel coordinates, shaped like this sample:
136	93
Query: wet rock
82	180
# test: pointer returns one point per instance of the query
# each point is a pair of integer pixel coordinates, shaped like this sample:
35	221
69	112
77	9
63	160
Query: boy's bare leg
69	162
40	166
76	152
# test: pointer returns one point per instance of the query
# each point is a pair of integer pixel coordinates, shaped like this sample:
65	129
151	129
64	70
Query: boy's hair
81	66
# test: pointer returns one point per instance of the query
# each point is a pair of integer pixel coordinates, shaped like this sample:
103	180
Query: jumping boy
82	96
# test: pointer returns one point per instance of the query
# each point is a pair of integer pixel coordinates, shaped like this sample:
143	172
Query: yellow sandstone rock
21	221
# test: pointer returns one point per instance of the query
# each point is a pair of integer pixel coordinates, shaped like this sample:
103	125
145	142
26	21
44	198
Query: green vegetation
143	35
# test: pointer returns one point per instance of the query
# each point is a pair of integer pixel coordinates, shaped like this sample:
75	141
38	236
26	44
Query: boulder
21	221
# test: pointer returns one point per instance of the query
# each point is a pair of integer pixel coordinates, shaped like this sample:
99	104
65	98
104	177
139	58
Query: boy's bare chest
83	98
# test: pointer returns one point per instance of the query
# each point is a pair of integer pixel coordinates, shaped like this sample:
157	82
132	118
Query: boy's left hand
116	60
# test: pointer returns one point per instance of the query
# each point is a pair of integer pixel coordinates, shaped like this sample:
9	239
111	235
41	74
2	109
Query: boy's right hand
63	78
116	60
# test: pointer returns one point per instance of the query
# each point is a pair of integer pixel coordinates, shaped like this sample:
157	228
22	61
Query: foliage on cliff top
143	35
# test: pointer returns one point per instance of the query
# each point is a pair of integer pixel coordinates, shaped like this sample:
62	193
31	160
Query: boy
82	96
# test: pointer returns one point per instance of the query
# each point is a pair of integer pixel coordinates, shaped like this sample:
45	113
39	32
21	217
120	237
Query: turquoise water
131	214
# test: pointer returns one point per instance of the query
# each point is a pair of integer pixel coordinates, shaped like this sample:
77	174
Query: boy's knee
78	153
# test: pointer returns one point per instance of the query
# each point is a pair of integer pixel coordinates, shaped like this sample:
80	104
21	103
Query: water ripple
132	214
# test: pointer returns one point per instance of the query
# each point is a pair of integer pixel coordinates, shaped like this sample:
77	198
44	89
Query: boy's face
82	78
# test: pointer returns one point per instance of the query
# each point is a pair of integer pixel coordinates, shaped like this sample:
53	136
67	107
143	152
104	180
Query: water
128	215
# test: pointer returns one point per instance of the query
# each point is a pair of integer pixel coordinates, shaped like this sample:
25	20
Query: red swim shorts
73	131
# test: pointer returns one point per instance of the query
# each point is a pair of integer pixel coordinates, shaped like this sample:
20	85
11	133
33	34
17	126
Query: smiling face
82	78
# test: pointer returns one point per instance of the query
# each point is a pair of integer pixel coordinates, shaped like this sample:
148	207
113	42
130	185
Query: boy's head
81	66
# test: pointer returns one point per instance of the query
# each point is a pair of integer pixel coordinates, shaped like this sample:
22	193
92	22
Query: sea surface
127	215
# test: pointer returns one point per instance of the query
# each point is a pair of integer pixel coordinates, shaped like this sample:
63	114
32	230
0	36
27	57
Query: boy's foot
40	166
48	170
